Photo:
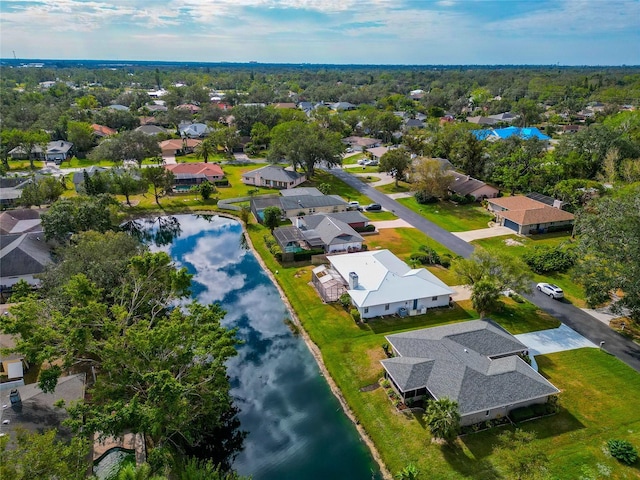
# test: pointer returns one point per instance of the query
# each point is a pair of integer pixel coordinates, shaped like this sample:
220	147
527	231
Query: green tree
72	215
41	456
325	188
430	177
87	102
205	149
260	135
396	162
9	139
160	179
129	145
31	194
443	418
226	137
81	135
272	217
490	273
305	145
127	182
206	189
20	290
245	214
528	112
609	249
521	456
31	139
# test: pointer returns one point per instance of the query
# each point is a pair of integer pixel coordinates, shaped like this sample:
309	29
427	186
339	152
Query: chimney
557	204
353	280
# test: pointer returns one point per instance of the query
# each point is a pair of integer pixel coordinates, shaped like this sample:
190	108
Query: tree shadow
478	468
432	318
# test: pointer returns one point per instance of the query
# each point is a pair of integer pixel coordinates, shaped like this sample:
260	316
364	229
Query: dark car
373	207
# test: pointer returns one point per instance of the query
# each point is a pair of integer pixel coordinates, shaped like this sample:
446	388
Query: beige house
527	216
467	185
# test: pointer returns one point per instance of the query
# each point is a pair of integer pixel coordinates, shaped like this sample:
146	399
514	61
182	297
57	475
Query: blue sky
568	32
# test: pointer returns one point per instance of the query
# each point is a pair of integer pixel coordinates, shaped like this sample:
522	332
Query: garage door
511	224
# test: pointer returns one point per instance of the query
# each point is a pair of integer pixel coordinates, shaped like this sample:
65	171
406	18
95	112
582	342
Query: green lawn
402	187
379	215
594	385
451	217
353	159
573	292
337	187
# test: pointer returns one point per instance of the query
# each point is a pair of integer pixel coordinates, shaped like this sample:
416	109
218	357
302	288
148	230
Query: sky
415	32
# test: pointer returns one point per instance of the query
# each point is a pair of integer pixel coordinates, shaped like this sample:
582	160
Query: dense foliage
623	450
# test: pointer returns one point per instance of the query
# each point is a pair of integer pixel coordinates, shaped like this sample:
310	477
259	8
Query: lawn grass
594	385
402	187
353	159
337	187
405	241
379	215
449	216
369	179
363	169
22	165
573	292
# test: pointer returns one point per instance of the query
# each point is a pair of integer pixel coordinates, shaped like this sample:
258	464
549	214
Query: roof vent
466	351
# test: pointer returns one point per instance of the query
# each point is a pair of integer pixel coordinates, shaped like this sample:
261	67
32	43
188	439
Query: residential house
271	176
178	146
31	409
413	123
121	108
479	120
193	130
379	283
285	105
293	192
23	256
342	106
189	107
298	205
11	190
477	364
377	152
528	216
361	143
20	220
189	174
151	130
466	185
102	131
78	177
156	108
506	117
571	128
318	231
57	150
494	134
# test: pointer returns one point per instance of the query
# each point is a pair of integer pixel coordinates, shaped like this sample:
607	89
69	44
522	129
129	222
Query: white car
550	289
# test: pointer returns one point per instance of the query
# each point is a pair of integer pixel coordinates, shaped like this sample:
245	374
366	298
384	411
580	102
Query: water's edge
317	355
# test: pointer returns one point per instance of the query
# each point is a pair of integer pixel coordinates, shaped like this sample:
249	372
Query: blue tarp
504	133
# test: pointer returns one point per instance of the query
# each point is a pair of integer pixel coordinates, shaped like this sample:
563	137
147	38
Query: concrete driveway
554	340
399	223
497	231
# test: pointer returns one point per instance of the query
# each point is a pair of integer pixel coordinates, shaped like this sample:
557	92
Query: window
386	307
366	309
434	299
487	414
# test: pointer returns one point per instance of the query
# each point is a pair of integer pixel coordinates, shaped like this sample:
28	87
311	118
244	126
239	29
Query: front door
415	304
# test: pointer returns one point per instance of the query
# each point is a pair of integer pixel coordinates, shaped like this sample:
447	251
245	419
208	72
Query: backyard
591	383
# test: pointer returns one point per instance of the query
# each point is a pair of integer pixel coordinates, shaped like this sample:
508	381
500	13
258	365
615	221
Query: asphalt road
583	323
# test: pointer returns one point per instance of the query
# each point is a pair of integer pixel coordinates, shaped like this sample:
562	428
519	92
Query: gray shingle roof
329	231
455	362
464	184
23	254
310	201
276	174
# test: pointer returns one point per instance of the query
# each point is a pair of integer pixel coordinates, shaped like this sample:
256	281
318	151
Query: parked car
550	289
353	205
373	207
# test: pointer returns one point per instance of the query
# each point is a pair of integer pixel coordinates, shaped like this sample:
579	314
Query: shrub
623	451
306	254
545	259
355	314
368	228
275	250
345	300
445	260
424	198
462	199
517	298
269	241
384	383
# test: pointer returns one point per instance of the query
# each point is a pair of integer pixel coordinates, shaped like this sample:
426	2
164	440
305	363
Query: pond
296	427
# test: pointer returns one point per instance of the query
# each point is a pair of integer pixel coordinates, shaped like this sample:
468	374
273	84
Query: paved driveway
497	231
554	340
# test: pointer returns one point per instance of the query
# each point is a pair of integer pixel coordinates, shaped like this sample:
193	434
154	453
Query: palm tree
410	472
205	150
443	418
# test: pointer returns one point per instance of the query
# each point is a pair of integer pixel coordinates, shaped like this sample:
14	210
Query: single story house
494	134
189	107
298	205
102	131
193	130
477	364
361	143
318	231
20	220
466	185
479	120
23	256
271	176
285	105
121	108
195	173
177	146
292	192
149	129
78	177
342	106
379	283
11	189
377	152
353	218
527	216
57	150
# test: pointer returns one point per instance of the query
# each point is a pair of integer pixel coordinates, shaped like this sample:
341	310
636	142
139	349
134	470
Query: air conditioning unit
423	310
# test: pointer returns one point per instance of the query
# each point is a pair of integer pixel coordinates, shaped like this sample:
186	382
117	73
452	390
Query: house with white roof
379	283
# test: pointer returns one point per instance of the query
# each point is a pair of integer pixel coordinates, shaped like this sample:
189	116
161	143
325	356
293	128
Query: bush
269	241
345	300
517	298
424	198
445	260
521	414
623	451
355	314
462	199
368	228
384	383
306	255
545	259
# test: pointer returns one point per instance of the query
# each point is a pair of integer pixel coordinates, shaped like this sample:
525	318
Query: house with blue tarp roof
504	133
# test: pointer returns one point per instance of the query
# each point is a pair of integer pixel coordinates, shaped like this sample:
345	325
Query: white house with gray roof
271	176
475	363
379	283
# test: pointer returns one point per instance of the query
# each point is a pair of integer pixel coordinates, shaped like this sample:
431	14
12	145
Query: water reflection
296	427
160	231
